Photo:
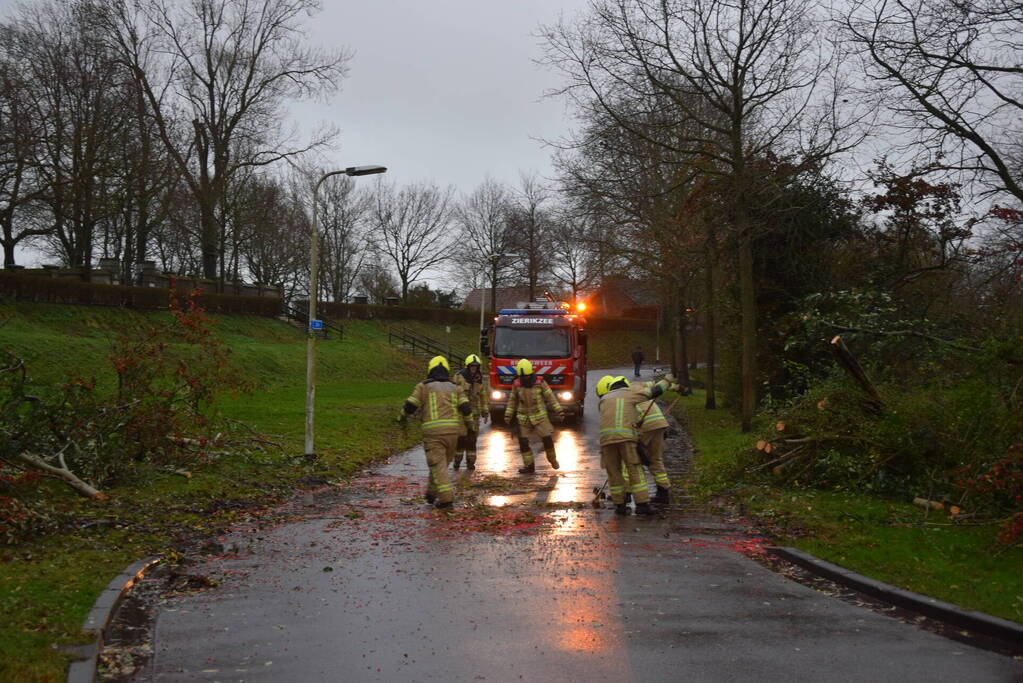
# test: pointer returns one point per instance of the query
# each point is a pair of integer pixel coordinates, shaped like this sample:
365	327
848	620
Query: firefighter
470	379
652	427
446	412
618	438
527	407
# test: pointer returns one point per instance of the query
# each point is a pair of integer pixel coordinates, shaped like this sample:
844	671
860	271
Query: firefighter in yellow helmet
445	412
618	438
470	379
528	408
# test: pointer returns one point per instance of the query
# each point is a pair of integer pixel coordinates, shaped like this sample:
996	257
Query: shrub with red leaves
1000	488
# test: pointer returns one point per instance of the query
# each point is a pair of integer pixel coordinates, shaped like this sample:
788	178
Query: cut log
929	504
780	427
761	444
768	447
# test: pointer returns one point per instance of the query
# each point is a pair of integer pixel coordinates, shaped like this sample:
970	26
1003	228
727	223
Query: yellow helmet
472	358
524	367
438	360
604	384
621	378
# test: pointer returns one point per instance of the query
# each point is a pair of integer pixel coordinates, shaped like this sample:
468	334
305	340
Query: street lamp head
365	170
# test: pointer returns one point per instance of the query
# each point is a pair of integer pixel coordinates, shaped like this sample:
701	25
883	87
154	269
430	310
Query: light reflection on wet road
374	586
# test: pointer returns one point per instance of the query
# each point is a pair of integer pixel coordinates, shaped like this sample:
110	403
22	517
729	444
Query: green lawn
48	585
890	540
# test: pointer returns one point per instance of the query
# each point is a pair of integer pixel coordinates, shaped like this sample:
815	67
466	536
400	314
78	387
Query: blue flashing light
533	311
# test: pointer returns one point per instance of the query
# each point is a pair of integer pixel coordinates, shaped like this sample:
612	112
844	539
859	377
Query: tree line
718	143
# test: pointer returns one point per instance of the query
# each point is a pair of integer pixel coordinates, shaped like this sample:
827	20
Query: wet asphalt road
372	585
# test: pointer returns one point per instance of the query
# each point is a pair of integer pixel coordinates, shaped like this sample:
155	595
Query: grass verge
48	585
889	540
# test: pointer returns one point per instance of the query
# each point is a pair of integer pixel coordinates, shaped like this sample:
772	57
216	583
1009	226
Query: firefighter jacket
529	404
650	414
439	402
618	414
475	391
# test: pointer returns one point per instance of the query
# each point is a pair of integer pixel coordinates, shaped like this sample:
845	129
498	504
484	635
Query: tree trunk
8	252
682	339
711	400
747	312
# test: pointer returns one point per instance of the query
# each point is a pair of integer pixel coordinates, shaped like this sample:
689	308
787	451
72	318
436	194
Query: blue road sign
315	324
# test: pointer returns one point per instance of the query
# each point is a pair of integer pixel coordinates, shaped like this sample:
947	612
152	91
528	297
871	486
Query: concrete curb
976	622
96	623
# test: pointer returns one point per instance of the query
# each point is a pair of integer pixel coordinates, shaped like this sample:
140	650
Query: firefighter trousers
618	459
467	448
653	442
548	446
440	451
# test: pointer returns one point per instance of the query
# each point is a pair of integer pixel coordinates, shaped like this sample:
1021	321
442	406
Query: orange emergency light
580	306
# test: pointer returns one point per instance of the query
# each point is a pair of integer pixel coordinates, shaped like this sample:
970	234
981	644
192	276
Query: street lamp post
314	272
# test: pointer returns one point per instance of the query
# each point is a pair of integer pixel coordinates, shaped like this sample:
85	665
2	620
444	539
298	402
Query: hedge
71	291
334	310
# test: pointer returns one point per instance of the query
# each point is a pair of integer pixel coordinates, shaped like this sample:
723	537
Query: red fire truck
552	338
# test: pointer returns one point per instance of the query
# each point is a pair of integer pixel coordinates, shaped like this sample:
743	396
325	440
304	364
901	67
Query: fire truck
553	338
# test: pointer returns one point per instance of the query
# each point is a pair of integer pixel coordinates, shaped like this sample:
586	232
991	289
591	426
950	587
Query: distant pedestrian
637	358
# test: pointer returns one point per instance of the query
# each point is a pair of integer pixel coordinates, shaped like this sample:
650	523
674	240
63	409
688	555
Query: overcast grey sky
442	90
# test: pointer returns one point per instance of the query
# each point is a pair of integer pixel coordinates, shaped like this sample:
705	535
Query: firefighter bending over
527	407
445	412
652	426
470	379
618	438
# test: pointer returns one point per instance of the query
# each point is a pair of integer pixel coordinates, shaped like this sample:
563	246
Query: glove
671	378
675	387
558	418
402	418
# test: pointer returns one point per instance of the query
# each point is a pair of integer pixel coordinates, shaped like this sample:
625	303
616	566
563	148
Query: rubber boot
552	456
662	497
446	507
470	461
527	469
458	461
645	509
621	509
429	497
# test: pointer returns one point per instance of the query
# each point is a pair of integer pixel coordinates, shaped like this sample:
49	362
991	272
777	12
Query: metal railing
421	345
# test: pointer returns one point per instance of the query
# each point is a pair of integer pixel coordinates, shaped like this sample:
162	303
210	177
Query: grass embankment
48	585
889	540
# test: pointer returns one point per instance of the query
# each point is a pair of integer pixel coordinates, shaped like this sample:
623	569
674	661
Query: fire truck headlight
497	395
566	395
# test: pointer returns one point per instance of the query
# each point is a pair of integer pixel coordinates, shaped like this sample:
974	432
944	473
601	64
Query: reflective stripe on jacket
529	404
618	416
438	403
654	418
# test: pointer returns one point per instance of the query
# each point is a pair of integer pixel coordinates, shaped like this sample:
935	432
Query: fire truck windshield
521	343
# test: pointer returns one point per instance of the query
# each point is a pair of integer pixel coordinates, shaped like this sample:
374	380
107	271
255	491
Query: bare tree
73	81
410	228
951	74
571	257
343	214
758	77
529	225
19	186
275	250
230	67
485	237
